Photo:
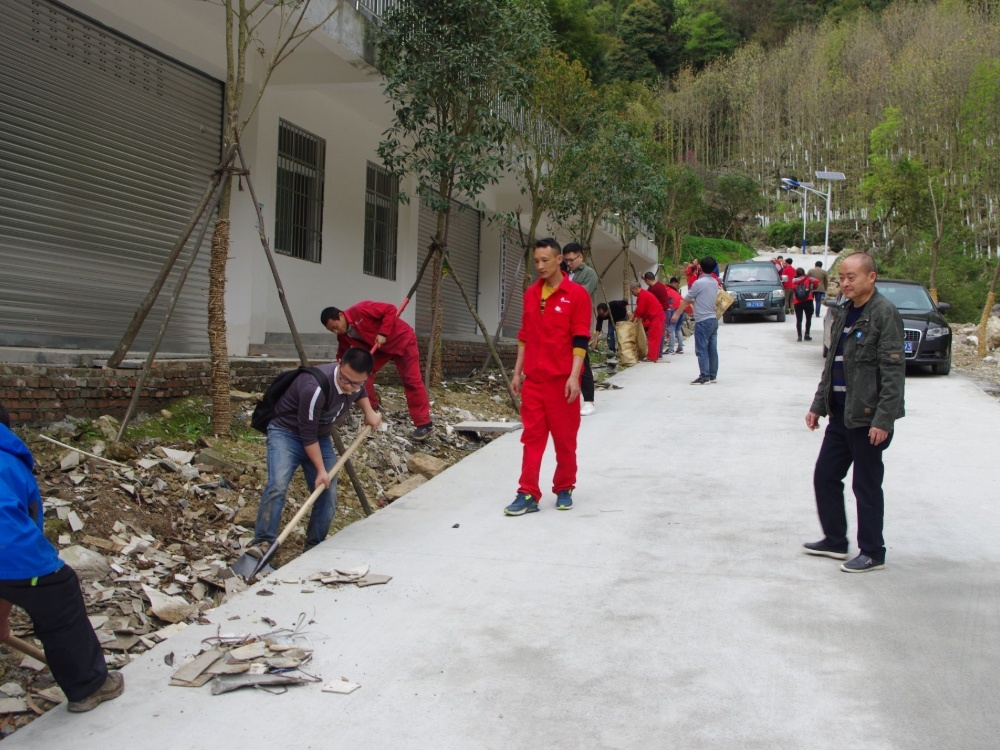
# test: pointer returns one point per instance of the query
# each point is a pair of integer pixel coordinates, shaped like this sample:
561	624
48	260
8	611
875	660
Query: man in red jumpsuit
649	310
374	324
552	342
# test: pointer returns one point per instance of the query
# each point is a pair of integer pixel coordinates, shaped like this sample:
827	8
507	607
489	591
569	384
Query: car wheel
781	316
942	369
727	316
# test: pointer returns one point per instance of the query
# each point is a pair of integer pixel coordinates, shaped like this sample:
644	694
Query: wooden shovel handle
366	430
26	648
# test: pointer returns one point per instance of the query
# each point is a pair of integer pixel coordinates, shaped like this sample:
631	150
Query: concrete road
671	608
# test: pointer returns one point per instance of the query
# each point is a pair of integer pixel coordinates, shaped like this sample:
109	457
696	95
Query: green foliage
706	37
446	65
734	199
682	207
643	50
789	234
188	420
724	251
575	32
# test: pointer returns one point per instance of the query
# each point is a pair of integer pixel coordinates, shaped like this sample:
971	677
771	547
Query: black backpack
264	411
802	291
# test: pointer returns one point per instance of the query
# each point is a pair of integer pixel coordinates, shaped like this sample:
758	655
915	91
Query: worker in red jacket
649	310
375	325
552	342
662	293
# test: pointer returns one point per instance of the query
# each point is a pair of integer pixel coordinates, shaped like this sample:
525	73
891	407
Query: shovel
25	648
249	566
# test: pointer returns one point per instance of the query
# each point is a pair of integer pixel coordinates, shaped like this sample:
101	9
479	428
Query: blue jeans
285	454
818	297
675	334
706	346
611	337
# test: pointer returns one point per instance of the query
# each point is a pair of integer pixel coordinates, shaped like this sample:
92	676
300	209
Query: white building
110	128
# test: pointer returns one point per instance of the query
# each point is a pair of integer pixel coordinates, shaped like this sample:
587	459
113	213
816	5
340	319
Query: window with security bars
381	219
298	221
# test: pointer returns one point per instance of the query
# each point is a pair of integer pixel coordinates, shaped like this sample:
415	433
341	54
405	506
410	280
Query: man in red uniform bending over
649	310
555	330
374	324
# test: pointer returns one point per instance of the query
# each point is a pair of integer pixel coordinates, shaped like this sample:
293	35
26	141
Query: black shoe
808	337
824	549
862	564
423	432
800	338
699	381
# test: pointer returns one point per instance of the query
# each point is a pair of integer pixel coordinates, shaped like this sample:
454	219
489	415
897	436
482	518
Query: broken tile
13	706
373	579
75	524
194	669
179	457
341	686
168	608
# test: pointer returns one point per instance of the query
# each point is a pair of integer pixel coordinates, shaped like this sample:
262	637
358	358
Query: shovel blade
246	566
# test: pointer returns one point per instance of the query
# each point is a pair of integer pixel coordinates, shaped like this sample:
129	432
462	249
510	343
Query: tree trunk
218	345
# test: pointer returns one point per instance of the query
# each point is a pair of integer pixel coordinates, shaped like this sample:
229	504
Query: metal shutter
106	147
512	282
463	252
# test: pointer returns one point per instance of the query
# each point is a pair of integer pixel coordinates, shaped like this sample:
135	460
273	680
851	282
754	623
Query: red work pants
544	412
408	366
654	337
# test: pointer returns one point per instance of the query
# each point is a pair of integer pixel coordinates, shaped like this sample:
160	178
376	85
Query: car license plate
908	347
752	303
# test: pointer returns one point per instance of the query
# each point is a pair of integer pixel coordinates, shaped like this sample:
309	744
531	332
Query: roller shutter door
106	147
463	252
512	280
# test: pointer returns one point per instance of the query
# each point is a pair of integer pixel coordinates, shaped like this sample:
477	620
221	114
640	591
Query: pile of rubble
153	528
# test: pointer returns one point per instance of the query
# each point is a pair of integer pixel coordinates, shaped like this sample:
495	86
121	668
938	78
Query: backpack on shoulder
264	412
801	292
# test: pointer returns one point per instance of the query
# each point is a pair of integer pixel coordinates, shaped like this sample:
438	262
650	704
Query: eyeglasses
345	381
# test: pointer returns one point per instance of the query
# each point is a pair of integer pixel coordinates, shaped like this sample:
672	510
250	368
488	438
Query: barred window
298	221
381	219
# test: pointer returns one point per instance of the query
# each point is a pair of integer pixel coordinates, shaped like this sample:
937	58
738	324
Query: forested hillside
904	98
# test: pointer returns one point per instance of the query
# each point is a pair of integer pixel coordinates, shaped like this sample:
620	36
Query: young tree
681	209
558	110
454	73
735	198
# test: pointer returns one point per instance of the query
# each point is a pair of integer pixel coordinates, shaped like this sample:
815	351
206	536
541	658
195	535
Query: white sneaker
587	409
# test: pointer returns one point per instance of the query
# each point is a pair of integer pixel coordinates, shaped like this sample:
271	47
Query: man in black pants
862	393
34	578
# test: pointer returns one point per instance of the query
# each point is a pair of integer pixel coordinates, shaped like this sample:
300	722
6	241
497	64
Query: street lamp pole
807	188
830	177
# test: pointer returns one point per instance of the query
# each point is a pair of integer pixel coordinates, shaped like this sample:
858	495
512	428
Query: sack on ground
625	343
264	411
723	301
641	343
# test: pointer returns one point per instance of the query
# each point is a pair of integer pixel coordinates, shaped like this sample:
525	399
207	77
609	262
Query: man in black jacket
862	393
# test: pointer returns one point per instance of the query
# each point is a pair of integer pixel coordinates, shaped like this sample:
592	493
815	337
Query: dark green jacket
874	366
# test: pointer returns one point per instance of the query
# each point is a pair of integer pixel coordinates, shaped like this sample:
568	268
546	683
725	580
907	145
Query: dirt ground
965	359
178	532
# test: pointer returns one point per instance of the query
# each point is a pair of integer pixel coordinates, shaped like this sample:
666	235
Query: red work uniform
368	319
649	310
548	330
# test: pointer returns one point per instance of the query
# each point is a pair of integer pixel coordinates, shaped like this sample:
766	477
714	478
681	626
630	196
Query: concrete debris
488	427
13	706
427	466
169	608
69	461
90	566
12	690
398	490
107	426
341	686
178	457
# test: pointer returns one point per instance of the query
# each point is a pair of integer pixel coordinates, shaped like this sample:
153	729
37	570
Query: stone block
398	490
427	466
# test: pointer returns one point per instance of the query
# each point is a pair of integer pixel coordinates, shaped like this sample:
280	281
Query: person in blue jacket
34	578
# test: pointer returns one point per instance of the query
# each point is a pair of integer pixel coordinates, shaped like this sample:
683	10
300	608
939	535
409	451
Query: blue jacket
24	550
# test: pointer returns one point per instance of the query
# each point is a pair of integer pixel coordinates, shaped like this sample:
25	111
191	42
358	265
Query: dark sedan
926	334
